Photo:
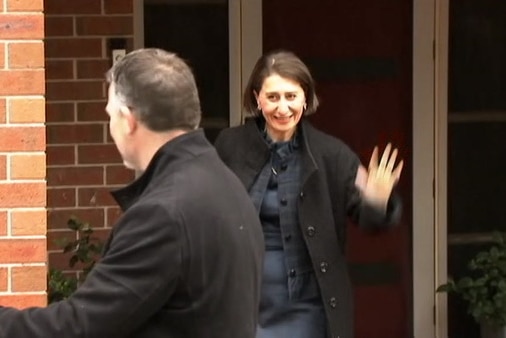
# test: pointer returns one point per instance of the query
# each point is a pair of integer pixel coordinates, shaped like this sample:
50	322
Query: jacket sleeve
134	279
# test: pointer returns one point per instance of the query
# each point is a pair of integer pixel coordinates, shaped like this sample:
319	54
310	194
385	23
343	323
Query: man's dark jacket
184	260
327	198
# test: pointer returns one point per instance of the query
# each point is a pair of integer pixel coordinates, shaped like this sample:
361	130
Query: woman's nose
283	106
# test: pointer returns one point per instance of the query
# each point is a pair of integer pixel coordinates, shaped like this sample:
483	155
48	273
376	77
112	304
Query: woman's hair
287	65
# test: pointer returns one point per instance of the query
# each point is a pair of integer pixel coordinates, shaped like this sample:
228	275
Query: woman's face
282	102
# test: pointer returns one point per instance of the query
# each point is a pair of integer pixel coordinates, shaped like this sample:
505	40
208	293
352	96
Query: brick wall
82	161
22	158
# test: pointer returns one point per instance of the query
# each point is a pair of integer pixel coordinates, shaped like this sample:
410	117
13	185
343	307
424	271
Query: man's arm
132	281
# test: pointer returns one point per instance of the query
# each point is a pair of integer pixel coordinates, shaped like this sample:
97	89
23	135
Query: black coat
184	260
328	196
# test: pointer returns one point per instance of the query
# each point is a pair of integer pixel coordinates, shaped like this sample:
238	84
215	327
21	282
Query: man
184	260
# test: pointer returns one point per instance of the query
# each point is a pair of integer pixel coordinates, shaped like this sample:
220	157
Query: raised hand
376	184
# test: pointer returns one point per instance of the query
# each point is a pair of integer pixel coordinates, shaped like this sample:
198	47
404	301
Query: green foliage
485	289
85	251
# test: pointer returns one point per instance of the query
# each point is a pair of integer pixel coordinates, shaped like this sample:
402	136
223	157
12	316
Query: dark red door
360	53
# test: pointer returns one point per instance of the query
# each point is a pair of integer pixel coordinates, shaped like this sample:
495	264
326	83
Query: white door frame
441	156
423	169
245	44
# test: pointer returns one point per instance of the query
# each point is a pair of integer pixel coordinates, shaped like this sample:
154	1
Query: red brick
75	133
20	195
59	69
57	218
92	111
29	223
75	176
29	278
22	139
3	223
60	198
113	214
104	25
60	155
102	153
22	26
60	112
73	48
118	6
22	82
22	251
75	90
73	7
118	174
3	279
88	197
56	239
30	110
59	260
28	166
24	300
92	69
2	52
3	167
59	26
25	5
26	55
3	110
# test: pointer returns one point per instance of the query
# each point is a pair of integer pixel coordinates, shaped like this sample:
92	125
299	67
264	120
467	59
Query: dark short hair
285	64
159	87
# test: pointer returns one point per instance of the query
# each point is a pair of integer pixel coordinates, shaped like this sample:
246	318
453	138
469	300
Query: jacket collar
171	154
259	151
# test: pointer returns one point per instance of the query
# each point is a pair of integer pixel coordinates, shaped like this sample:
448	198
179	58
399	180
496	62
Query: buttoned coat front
328	196
183	261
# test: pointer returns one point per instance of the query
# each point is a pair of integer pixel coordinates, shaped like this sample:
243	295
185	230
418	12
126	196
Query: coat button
333	302
301	195
310	231
292	273
284	201
284	166
288	237
324	266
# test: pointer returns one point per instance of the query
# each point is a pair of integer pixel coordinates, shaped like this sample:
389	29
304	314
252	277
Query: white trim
235	52
251	38
441	155
423	169
138	24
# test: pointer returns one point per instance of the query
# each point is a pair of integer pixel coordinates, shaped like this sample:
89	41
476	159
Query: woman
304	184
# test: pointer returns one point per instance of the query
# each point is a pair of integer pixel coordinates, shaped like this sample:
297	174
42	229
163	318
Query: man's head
153	91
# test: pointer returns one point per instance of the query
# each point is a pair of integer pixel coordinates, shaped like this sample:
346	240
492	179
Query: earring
258	106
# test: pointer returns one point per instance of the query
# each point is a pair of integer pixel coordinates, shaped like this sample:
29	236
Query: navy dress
290	303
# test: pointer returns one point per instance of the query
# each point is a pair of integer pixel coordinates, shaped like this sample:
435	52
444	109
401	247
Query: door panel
360	54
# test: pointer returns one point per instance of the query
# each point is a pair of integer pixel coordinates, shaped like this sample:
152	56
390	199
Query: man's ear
131	122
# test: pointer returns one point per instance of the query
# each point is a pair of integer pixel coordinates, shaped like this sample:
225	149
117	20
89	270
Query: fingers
384	157
373	162
387	162
391	160
397	172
